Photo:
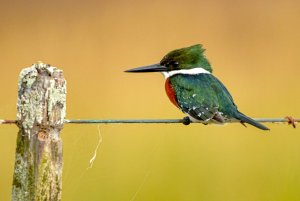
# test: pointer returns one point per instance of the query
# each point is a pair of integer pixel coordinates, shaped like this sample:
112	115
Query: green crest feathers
189	57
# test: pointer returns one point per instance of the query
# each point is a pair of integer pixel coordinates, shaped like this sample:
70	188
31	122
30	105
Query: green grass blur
254	49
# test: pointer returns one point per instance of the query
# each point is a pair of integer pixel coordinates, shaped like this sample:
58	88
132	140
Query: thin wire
2	121
130	121
150	121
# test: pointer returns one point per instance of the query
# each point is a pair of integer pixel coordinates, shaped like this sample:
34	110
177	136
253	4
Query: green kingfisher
192	88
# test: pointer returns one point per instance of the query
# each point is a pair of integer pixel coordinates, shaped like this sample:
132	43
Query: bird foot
291	121
186	120
243	123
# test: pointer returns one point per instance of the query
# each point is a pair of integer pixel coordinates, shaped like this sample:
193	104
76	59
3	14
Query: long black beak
146	69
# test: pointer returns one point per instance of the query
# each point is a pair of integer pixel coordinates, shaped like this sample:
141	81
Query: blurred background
253	47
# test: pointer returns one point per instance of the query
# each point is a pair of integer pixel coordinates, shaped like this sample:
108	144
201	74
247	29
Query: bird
191	87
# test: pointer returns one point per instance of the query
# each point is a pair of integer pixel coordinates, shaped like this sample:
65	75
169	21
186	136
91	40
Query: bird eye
172	65
176	63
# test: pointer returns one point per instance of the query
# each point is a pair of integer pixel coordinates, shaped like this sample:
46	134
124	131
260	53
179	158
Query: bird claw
243	123
186	121
291	121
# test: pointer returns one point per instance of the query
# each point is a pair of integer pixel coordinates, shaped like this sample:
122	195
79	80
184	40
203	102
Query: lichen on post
41	110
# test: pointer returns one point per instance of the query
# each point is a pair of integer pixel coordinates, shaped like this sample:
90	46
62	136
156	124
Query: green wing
203	97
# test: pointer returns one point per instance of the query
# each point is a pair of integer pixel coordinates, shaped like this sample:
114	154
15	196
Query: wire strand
153	121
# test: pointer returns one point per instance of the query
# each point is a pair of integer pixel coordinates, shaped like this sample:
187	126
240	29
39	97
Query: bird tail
248	120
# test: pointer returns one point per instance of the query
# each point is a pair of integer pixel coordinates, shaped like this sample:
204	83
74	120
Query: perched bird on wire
191	87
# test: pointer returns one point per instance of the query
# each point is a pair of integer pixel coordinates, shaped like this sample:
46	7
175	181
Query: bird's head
180	59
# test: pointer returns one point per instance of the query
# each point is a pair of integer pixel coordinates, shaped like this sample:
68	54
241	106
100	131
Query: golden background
254	49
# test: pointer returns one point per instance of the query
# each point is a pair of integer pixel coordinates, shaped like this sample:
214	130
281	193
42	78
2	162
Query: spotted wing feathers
200	96
203	97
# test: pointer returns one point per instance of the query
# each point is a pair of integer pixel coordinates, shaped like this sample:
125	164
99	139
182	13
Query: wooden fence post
41	110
